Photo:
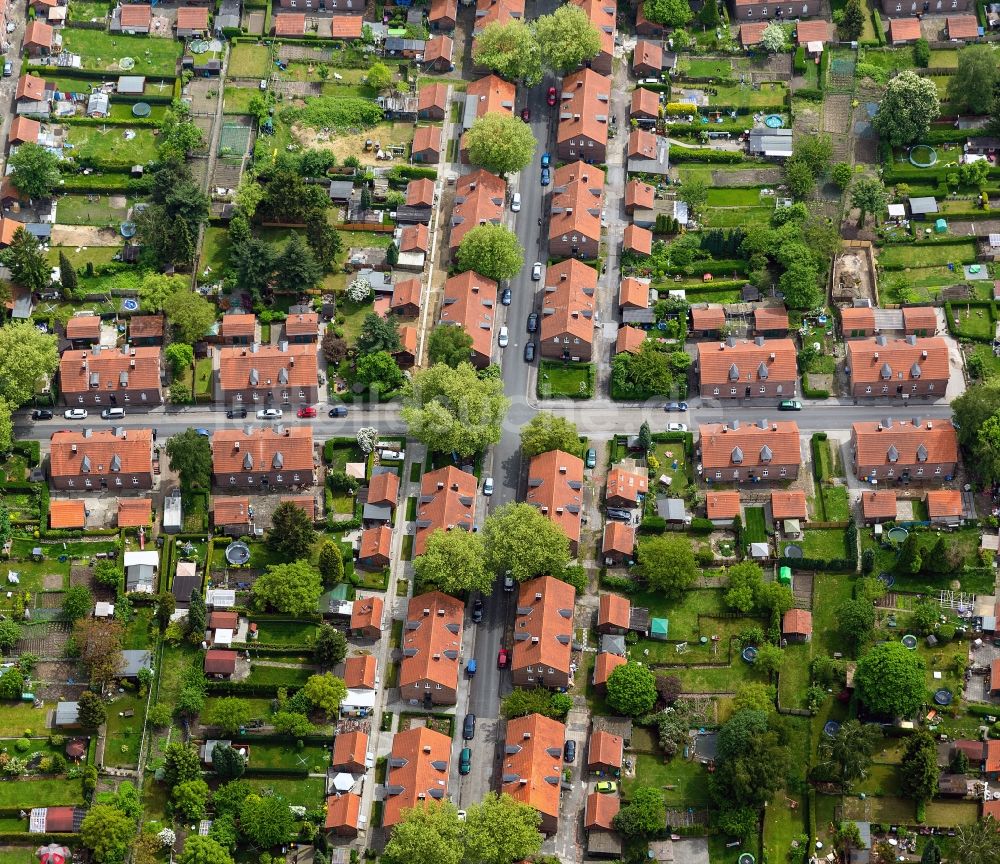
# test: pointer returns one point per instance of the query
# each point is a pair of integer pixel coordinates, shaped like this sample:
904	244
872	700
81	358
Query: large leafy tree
752	760
296	268
971	410
454	409
330	648
155	288
501	142
190	798
77	602
511	50
673	13
632	689
856	621
91	710
34	170
26	261
380	371
180	764
642	815
325	692
774	38
519	540
431	834
667	564
567	38
177	209
230	714
970	89
868	195
99	644
849	751
918	770
203	850
266	820
452	561
293	588
744	581
890	680
292	534
908	107
501	830
190	457
977	843
107	833
450	345
492	251
330	563
378	334
547	431
228	763
190	314
853	21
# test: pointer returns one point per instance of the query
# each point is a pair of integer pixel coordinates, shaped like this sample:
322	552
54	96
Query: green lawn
912	255
249	61
90	210
734	217
825	543
88	10
734	196
124	734
557	380
834	589
300	791
286	632
102	51
313	757
668	453
27	793
292	676
965	542
756	525
706	68
13	855
782	825
203	376
836	503
80	256
684	783
770	93
236	100
112	142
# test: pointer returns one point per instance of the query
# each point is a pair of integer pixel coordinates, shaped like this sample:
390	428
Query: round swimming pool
774	121
923	156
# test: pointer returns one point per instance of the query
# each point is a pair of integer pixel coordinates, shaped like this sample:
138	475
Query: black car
338	411
619	515
532	322
236	413
469	727
505	297
529	352
41	414
569	750
477	611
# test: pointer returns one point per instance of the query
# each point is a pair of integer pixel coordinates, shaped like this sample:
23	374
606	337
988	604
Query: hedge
683	108
128	122
687	438
243	688
812	94
701	526
809	393
653	525
94	74
704	154
29	449
879	32
799	61
990	308
411	172
824	62
837	565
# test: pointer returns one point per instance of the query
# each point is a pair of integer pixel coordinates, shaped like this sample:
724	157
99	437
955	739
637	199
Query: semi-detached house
418	772
555	487
532	766
911	449
106	459
583	117
543	634
279	458
577	201
567	326
737	452
883	368
432	647
740	369
470	302
110	377
265	376
447	502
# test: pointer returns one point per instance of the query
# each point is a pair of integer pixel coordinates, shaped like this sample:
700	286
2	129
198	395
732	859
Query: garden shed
659	628
921	207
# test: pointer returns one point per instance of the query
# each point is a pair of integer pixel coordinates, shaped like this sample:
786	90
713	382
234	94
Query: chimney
538	595
441	612
759	341
772	355
236	446
923	355
535	640
73	448
427	612
930	425
440	485
562	469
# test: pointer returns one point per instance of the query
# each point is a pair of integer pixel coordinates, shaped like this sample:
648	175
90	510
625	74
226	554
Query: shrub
701	526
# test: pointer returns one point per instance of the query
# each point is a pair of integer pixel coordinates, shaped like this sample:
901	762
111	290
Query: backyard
111	143
102	51
558	380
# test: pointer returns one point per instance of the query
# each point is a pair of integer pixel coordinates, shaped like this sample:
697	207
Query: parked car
546	176
8	69
532	322
619	515
270	414
203	432
546	160
529	352
550	97
607	786
503	339
477	610
569	750
465	761
526	115
113	414
75	414
676	406
508	582
536	271
236	413
488	486
469	727
677	427
306	411
502	658
41	414
591	458
338	411
789	405
505	297
515	202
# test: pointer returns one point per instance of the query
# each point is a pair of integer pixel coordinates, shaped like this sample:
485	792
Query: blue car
546	160
546	176
204	433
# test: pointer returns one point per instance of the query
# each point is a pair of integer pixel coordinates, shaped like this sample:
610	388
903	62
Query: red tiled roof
375	541
718	447
942	503
962	27
470	301
346	26
626	484
242	367
302	324
447	499
633	293
117	371
268	449
861	318
438	48
420	193
367	613
770	318
741	362
549	618
898	359
605	749
645	102
798	622
586	99
873	444
67	514
223	620
479	198
405	293
492	95
568	301
134	512
71	451
903	29
414	238
603	15
555	486
629	339
641	145
752	34
360	671
534	753
992	756
879	504
613	610
639	194
500	11
432	96
577	201
238	325
418	771
427	138
231	511
306	503
135	15
919	317
289	24
8	228
220	661
145	326
722	505
384	489
812	31
638	239
443	10
605	664
647	54
790	504
434	640
192	18
84	327
38	34
30	87
350	748
708	318
24	130
342	811
618	537
600	811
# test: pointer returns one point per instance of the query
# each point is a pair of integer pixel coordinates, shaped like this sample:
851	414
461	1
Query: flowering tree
167	837
359	290
367	436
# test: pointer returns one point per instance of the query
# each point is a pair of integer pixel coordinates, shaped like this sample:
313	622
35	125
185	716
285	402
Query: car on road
469	727
676	406
515	202
203	432
41	414
529	352
536	271
532	322
113	414
550	97
306	411
607	786
546	160
338	411
526	115
789	405
488	486
75	414
465	761
508	582
477	610
569	750
502	658
619	515
591	458
236	413
269	414
8	69
505	297
546	176
503	339
677	427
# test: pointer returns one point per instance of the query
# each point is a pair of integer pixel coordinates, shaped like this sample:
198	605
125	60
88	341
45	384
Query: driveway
568	842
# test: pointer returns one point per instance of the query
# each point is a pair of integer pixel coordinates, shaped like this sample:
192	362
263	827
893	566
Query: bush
799	63
617	582
701	526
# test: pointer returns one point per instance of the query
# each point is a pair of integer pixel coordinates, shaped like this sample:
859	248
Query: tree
799	284
847	839
921	53
100	644
334	347
450	345
325	692
694	193
296	269
910	558
868	195
511	50
378	334
970	89
519	540
849	751
181	763
292	534
107	832
203	850
977	843
799	178
492	251
667	564
293	588
26	261
744	581
322	237
190	798
431	834
26	356
918	770
178	134
856	622
67	276
380	372
815	151
330	648
853	21
752	760
770	659
155	288
668	689
11	683
230	714
773	38
77	602
10	632
452	561
330	564
266	820
501	830
538	700
454	409
841	174
566	39
291	724
379	77
932	852
190	314
890	680
90	710
971	410
254	262
632	689
34	170
197	617
500	142
643	815
672	13
179	356
908	107
190	457
546	431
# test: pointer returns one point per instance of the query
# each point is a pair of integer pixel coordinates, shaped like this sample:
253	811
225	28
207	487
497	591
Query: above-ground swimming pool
237	552
774	121
923	156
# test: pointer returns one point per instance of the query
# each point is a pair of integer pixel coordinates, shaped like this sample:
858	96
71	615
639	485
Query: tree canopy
856	622
868	195
203	850
292	534
908	107
293	588
190	314
567	38
546	431
35	170
492	251
890	680
672	13
325	692
632	689
849	751
450	345
266	820
500	142
107	832
918	770
190	457
511	50
752	760
667	564
519	540
643	815
970	88
452	561
26	261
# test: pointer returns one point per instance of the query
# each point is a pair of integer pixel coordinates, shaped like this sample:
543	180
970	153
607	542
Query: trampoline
897	534
774	121
910	641
943	696
127	229
237	553
126	63
831	728
130	305
887	579
745	858
141	109
749	654
923	156
793	551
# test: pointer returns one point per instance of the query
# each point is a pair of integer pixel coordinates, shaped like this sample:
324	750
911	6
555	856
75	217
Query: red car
525	115
502	659
551	97
308	411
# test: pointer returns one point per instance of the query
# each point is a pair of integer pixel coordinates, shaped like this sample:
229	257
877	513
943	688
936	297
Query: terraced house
432	648
106	459
543	634
265	376
264	458
109	377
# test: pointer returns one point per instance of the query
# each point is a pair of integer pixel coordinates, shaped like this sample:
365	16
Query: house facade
912	449
432	648
883	368
106	459
735	452
741	369
110	377
269	458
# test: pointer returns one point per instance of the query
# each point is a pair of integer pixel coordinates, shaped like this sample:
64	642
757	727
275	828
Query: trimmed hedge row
93	74
705	154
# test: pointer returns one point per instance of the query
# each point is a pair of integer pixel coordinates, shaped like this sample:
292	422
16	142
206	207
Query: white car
269	414
75	414
536	271
515	202
488	486
677	427
504	338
